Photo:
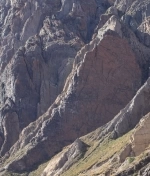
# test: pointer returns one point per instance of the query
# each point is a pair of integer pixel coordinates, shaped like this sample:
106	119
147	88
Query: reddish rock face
103	83
99	86
74	93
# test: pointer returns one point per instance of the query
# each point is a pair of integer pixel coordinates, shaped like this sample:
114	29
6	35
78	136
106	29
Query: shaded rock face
144	32
145	171
11	134
123	5
39	41
135	14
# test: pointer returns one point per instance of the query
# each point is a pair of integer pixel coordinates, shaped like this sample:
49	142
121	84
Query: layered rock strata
100	84
140	138
39	41
66	159
65	87
129	117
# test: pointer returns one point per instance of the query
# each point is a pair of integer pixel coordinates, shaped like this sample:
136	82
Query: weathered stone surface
140	139
65	160
123	5
74	93
132	113
11	134
145	171
145	26
37	51
100	84
135	14
143	32
126	152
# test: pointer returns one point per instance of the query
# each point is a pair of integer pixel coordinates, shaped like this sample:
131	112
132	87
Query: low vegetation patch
97	155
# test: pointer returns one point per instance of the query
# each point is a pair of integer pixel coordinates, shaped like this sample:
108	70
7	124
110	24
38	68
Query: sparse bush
131	159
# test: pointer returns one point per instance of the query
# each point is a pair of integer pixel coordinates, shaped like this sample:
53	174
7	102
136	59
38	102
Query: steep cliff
39	41
68	67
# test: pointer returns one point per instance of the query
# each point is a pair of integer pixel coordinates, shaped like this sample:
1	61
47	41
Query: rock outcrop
132	113
140	139
100	84
68	67
145	26
38	47
65	160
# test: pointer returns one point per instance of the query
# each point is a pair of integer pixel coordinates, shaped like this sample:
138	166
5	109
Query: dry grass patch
98	154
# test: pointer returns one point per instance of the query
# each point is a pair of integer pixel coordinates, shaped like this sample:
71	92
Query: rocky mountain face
69	67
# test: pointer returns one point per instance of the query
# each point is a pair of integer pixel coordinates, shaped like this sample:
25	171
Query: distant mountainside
74	87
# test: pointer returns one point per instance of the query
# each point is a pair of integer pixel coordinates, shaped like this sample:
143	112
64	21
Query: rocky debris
123	5
141	168
139	10
145	171
134	12
135	15
65	160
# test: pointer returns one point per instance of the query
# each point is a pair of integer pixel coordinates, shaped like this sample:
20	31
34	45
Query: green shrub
131	159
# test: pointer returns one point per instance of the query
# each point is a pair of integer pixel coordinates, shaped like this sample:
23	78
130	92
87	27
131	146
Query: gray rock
132	113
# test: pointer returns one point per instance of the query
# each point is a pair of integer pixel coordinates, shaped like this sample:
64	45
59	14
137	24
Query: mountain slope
67	68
